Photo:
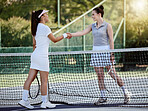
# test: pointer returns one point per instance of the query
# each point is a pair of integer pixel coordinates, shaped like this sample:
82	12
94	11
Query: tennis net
73	80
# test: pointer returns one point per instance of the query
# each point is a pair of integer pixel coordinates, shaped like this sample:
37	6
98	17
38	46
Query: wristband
64	35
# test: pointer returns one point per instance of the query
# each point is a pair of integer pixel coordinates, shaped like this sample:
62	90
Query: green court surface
14	80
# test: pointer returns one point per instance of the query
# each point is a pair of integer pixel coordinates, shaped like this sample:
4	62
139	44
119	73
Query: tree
71	9
137	26
15	34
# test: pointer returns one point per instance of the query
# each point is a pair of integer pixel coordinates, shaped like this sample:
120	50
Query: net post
84	59
124	29
58	13
0	35
83	35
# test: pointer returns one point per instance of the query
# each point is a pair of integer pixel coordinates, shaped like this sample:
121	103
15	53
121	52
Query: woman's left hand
112	58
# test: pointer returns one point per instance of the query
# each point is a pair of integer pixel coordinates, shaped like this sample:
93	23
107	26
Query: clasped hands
69	35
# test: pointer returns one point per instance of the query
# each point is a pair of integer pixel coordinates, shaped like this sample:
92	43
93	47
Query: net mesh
73	80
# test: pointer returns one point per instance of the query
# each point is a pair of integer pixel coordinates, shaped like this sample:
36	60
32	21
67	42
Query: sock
25	95
44	98
103	93
123	89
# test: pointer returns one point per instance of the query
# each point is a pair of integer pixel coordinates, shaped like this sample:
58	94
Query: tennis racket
34	88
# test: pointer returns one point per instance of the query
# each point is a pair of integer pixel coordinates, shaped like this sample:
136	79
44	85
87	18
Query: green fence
114	14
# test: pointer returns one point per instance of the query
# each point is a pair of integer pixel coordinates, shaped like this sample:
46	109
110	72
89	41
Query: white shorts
100	59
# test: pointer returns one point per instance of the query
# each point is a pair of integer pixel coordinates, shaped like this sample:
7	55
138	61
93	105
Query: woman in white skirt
42	35
102	40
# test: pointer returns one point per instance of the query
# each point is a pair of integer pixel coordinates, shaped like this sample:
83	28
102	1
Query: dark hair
99	10
34	21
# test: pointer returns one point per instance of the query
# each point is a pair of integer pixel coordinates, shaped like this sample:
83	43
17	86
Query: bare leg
31	76
44	80
121	84
100	73
115	76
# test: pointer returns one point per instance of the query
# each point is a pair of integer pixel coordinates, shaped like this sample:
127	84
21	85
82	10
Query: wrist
64	35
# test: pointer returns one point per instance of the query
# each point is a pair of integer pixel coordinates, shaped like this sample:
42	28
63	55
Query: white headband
44	11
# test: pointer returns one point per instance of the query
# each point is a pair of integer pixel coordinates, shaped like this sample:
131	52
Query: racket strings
35	89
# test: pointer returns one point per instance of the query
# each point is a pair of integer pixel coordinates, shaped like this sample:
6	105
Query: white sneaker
101	100
25	104
127	96
48	105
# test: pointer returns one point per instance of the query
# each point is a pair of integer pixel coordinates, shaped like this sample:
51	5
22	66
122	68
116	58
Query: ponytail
34	21
99	10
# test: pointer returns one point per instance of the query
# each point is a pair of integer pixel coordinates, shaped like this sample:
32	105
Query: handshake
67	35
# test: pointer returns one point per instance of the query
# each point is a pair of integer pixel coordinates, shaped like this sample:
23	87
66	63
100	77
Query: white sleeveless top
100	34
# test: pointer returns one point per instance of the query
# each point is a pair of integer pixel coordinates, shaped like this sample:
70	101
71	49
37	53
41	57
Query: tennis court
61	107
72	81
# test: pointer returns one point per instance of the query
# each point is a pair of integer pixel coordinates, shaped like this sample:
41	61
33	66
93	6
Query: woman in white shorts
102	40
42	36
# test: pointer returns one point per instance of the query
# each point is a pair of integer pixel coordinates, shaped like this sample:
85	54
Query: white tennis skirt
39	62
100	59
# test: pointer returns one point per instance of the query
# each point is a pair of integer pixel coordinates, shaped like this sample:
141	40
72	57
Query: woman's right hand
69	36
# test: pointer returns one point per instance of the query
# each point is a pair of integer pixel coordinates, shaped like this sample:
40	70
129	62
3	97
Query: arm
110	34
111	40
56	39
34	43
84	32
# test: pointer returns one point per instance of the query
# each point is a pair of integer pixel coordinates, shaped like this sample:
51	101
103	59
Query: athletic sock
44	99
103	92
123	89
25	95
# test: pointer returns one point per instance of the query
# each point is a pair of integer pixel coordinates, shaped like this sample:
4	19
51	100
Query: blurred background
129	19
15	32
